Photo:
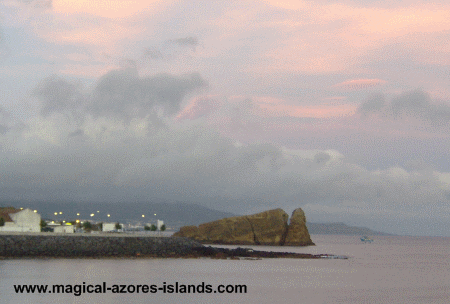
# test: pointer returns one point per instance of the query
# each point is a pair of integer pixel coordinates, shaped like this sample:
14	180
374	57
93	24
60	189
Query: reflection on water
390	270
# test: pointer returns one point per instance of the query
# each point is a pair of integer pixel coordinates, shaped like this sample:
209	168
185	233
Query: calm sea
394	269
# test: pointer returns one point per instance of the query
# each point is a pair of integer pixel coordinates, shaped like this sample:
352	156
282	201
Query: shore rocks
265	228
29	245
250	254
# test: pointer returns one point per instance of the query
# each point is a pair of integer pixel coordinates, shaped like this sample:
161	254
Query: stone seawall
28	245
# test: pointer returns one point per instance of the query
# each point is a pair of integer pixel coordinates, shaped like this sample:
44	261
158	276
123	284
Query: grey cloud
3	129
321	157
374	104
127	63
123	93
170	49
120	93
77	132
414	103
187	41
36	3
153	53
58	95
7	124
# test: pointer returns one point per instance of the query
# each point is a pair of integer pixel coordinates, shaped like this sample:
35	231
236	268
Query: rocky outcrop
298	234
265	228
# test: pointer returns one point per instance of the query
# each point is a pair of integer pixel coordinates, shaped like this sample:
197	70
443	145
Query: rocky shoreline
246	253
80	246
53	245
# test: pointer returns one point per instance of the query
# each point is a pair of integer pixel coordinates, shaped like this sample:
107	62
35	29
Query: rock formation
265	228
297	234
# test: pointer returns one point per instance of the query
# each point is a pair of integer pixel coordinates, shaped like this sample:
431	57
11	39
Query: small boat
366	239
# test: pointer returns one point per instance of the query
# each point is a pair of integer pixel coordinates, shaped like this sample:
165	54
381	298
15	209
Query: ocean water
393	269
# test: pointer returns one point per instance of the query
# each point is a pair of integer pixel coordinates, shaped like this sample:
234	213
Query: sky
338	107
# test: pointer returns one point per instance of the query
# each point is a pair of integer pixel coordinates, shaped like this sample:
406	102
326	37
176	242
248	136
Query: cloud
153	53
200	106
171	48
417	104
307	30
122	149
123	92
58	95
187	41
119	93
359	84
46	4
374	104
112	9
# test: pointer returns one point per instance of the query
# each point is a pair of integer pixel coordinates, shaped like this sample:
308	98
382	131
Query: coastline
94	245
112	246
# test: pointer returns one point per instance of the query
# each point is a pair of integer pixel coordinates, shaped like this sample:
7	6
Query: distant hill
174	214
340	228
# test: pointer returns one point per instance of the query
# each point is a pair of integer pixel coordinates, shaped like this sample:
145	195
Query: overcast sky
339	107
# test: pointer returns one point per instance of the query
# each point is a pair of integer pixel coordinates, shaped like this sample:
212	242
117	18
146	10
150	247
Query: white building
108	227
64	229
16	220
159	223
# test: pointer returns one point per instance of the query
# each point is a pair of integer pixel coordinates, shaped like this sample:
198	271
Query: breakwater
51	245
34	245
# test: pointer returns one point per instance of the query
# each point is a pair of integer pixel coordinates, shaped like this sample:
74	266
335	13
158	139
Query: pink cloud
325	48
260	118
106	8
267	106
105	35
276	107
89	71
359	84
